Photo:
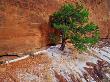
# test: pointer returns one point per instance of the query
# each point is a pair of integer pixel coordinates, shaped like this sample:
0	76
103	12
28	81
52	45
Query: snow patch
64	64
67	65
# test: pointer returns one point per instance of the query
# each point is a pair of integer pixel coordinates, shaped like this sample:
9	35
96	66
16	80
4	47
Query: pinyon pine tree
73	23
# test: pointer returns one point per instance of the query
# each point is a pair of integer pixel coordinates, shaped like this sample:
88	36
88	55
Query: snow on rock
103	53
27	77
65	66
17	59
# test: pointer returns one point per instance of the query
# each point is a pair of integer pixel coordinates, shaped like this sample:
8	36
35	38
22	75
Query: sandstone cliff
24	23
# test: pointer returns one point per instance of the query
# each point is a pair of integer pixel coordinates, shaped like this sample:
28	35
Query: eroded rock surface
24	23
53	65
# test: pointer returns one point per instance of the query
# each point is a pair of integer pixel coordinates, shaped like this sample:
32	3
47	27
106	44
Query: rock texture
24	23
54	65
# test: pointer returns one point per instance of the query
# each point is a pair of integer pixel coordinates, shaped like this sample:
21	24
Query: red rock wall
24	23
99	14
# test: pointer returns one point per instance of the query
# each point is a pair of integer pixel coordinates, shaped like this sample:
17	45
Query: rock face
54	65
24	24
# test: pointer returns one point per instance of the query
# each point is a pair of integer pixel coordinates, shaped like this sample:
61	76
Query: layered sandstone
24	24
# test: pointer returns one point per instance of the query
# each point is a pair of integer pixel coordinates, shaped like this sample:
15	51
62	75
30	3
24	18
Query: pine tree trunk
63	42
62	45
